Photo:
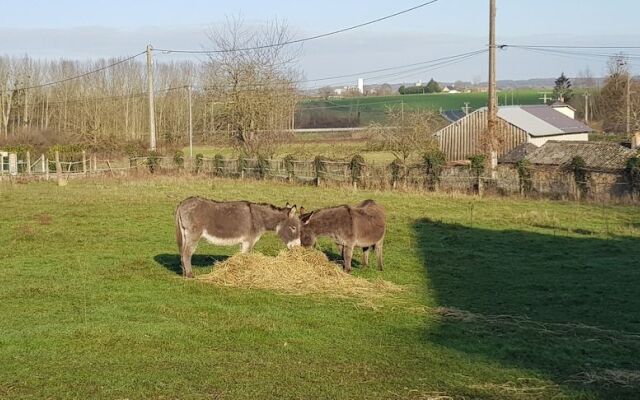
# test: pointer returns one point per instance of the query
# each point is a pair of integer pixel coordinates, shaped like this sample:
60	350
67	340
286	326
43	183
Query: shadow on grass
172	261
332	253
567	307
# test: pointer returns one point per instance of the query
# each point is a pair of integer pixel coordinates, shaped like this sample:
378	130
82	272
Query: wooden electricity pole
190	124
152	118
492	115
629	103
586	108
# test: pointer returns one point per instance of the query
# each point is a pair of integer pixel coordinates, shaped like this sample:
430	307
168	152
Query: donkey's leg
348	254
341	250
189	246
379	258
365	256
248	244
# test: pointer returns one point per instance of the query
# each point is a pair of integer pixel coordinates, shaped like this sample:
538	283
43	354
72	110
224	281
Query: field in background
309	145
509	299
372	108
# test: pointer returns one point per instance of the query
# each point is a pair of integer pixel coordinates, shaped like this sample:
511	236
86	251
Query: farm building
597	156
552	173
535	124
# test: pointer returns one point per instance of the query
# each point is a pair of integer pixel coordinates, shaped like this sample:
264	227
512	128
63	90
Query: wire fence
557	183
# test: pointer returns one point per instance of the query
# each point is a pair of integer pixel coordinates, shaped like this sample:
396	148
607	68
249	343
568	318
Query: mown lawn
541	301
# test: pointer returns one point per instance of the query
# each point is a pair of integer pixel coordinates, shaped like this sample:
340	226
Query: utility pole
492	120
152	118
190	124
628	103
493	109
466	107
586	108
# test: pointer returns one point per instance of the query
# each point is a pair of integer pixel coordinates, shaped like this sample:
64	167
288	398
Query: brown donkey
361	226
230	223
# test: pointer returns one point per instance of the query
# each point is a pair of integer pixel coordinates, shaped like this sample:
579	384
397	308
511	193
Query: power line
306	39
578	55
81	75
471	53
425	66
569	46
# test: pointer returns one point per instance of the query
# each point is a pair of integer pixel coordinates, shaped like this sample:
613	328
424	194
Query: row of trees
431	87
608	100
246	96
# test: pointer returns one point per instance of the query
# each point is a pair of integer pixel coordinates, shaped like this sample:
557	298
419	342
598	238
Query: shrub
178	159
632	171
218	164
19	149
355	165
478	164
199	162
319	166
262	167
524	175
153	161
289	165
578	165
242	163
396	168
433	163
135	148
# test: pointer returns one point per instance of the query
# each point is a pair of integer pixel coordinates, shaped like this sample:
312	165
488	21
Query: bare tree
325	92
408	133
253	78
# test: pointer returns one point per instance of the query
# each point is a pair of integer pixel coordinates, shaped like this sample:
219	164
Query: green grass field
542	301
372	108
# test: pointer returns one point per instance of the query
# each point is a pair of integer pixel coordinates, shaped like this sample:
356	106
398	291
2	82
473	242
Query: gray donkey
230	223
361	226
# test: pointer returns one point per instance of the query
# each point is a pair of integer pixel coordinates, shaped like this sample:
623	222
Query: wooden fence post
45	167
46	163
58	169
94	158
28	163
84	162
28	155
13	164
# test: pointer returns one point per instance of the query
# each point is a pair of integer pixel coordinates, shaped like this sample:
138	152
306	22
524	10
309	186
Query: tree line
247	97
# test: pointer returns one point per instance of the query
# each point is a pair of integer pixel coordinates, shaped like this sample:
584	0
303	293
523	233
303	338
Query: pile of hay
296	271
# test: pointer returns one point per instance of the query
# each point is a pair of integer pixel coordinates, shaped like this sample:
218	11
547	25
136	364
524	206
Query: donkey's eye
293	229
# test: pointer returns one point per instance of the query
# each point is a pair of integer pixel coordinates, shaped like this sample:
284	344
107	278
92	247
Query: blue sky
86	29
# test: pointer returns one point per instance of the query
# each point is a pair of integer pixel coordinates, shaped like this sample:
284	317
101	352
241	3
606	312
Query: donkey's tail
179	229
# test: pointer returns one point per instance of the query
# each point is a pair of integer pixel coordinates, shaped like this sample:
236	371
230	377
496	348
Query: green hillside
359	111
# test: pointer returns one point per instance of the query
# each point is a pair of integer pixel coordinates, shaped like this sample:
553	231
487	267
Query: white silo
361	85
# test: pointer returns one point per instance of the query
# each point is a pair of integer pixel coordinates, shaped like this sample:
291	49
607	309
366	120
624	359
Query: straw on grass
296	271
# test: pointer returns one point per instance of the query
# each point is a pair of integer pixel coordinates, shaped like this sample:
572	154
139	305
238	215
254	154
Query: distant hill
532	83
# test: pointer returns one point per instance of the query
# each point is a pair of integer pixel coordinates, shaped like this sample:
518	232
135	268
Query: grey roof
453	115
541	120
596	155
518	153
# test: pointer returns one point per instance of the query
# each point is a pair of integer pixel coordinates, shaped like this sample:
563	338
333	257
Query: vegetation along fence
431	175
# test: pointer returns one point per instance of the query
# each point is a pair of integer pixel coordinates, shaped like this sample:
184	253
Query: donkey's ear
307	218
287	206
293	210
301	210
